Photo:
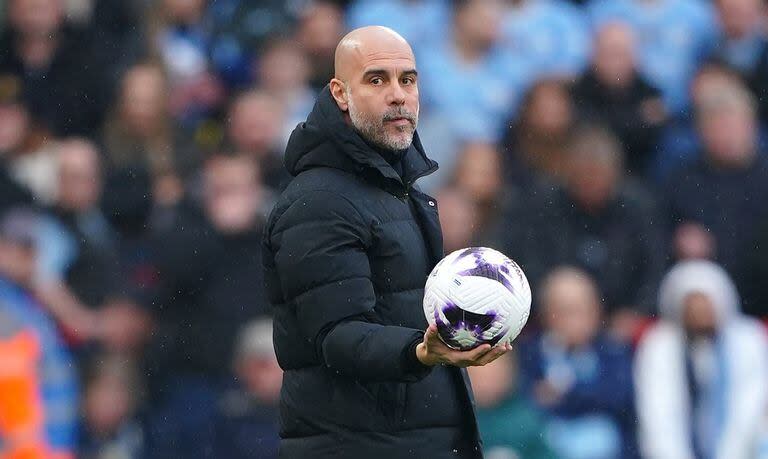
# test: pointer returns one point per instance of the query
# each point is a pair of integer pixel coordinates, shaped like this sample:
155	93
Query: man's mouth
399	121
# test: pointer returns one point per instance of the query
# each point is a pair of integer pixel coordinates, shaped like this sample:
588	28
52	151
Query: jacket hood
698	276
327	140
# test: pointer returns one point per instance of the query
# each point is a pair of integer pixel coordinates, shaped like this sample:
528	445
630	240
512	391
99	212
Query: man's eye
408	80
377	80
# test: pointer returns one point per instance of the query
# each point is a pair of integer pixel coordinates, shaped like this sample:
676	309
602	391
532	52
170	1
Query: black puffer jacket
348	248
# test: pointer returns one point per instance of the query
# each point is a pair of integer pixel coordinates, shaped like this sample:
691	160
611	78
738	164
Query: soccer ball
475	296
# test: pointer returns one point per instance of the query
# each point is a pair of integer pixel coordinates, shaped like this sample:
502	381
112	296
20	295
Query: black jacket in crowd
347	250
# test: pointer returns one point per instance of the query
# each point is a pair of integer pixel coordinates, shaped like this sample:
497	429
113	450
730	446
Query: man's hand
433	351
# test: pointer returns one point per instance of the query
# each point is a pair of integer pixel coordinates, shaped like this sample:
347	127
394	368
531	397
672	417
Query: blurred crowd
615	148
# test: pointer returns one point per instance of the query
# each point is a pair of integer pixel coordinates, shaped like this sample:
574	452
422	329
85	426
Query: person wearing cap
701	373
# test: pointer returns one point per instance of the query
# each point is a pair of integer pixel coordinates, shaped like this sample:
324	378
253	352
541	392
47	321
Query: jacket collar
326	127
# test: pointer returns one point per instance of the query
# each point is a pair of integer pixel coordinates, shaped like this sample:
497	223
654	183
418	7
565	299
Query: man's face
376	85
36	17
729	135
384	104
614	59
739	17
572	310
254	124
699	315
79	176
232	194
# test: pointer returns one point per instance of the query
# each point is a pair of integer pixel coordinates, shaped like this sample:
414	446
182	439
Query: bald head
365	45
375	85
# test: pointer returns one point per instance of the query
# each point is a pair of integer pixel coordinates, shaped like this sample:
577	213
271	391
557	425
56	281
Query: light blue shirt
474	98
421	22
552	35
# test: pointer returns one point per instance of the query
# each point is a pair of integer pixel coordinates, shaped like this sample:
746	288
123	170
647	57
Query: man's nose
396	95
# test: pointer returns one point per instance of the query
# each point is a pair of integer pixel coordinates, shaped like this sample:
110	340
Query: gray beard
373	132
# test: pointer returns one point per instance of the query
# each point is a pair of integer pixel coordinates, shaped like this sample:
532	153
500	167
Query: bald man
348	248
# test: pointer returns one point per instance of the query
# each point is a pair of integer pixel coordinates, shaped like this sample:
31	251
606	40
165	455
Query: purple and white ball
475	296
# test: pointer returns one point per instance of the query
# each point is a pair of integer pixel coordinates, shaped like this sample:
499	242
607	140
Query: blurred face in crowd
79	176
14	125
376	85
740	17
699	315
320	29
262	376
255	124
711	79
549	109
491	384
478	172
614	60
184	11
728	127
232	193
593	170
108	403
283	67
458	216
17	261
143	102
40	18
478	23
571	306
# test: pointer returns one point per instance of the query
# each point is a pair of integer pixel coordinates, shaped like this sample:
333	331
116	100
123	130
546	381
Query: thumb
431	332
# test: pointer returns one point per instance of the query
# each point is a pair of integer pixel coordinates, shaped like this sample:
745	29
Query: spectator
680	144
321	26
52	62
181	40
479	174
210	265
553	36
38	385
580	376
471	74
723	192
585	223
93	273
511	426
240	29
536	140
14	129
701	373
422	23
674	36
458	219
254	129
283	72
246	426
139	133
613	92
744	45
111	427
743	37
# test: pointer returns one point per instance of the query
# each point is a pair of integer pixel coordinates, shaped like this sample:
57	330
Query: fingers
431	333
476	353
494	354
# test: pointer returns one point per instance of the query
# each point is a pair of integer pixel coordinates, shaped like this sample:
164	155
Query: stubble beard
374	130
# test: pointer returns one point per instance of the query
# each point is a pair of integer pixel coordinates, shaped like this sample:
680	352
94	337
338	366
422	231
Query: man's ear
339	94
